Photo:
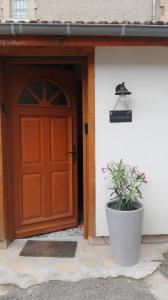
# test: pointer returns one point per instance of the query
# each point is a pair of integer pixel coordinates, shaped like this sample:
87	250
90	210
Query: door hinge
86	128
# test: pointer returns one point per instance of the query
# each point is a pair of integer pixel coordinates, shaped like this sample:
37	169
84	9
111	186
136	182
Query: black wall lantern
121	90
121	115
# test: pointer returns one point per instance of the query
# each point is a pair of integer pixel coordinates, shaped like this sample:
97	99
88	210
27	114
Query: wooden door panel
59	139
60	196
61	166
31	140
44	174
31	169
32	198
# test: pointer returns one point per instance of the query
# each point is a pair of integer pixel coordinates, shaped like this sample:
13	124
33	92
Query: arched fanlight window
44	93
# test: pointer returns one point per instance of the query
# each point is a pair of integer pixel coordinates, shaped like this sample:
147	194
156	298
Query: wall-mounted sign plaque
118	116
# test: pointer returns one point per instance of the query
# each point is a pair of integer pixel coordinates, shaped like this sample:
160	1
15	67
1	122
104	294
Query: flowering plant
125	184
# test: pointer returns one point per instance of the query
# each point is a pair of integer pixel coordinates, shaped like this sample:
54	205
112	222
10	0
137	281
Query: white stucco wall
144	142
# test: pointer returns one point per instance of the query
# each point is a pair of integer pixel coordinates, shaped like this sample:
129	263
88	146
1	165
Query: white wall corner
164	10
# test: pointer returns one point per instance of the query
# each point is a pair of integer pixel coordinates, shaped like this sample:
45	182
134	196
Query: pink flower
103	170
109	165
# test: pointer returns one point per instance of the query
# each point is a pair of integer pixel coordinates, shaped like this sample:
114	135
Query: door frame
88	116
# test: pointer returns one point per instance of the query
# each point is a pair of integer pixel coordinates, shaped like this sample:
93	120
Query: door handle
74	153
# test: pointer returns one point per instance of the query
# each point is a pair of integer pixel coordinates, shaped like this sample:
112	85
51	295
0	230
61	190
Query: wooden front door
43	133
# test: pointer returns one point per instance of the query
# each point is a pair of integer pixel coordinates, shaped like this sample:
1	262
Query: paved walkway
90	262
93	289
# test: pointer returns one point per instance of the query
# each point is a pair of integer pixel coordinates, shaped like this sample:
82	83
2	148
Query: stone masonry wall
91	10
164	10
94	10
5	9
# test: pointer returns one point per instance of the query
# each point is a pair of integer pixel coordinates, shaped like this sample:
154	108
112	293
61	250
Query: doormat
49	249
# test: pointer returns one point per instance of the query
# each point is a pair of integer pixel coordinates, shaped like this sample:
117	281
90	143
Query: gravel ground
164	266
77	232
94	289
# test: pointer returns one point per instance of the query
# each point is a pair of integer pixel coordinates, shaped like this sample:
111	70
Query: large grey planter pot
125	230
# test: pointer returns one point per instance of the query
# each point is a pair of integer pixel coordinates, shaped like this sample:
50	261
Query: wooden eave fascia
89	42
